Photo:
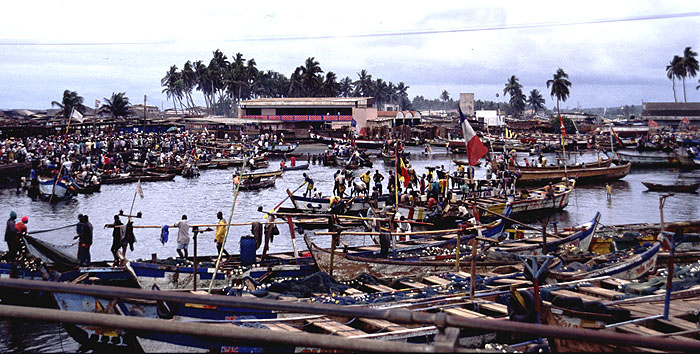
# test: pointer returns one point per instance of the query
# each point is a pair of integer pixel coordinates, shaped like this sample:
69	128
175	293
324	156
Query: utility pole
144	115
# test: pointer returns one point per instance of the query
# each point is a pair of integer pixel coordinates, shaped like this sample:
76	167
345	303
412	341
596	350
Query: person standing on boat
116	238
11	237
183	236
378	178
220	234
84	240
608	191
309	185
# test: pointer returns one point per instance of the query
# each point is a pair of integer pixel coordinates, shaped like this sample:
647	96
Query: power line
385	34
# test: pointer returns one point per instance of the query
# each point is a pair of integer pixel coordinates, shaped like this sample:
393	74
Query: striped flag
563	129
615	135
475	148
97	103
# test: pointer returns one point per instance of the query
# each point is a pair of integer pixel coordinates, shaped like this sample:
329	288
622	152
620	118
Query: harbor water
201	198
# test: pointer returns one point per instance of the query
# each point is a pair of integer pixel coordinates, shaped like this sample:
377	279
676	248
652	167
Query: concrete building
490	118
304	113
671	113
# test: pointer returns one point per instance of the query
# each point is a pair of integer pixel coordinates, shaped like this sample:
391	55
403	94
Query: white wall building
490	118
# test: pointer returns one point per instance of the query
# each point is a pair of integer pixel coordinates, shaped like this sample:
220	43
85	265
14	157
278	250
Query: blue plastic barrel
247	250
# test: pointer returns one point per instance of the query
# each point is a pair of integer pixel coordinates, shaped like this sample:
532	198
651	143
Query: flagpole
134	199
396	173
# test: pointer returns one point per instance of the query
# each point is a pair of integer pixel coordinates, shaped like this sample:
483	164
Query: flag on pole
405	175
139	190
653	124
97	103
475	148
615	135
75	114
561	125
686	120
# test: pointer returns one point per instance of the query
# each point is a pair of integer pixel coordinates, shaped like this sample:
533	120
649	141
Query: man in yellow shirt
220	234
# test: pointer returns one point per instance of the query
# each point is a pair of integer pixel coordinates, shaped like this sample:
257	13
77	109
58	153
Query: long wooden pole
513	220
431	232
230	217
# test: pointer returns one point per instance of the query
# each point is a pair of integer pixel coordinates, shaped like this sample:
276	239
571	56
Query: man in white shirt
183	236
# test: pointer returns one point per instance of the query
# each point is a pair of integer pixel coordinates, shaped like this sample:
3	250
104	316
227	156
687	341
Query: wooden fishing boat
346	266
680	188
304	166
256	183
260	174
129	178
580	236
362	143
582	174
629	264
308	204
280	149
648	158
602	163
533	200
49	189
89	189
687	161
259	163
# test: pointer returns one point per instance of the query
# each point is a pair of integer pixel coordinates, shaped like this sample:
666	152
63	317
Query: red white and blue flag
475	148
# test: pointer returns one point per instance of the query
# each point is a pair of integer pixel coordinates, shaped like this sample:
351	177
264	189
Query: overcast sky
615	52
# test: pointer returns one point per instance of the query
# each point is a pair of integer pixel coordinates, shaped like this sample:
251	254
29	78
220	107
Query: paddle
280	203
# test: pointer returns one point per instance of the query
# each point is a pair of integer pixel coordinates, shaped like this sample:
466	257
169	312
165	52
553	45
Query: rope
49	230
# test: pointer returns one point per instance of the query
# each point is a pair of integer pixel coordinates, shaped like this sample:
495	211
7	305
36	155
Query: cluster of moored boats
396	274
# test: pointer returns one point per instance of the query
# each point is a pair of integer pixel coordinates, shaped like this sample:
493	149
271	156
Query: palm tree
345	87
444	96
515	90
517	103
402	90
203	79
560	87
218	66
330	86
189	81
536	101
311	79
118	105
675	70
690	66
171	83
295	84
70	100
363	84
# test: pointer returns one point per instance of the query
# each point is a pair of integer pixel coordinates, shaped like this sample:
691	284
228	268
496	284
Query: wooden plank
282	256
335	328
600	292
613	283
570	293
465	313
436	280
413	284
508	281
382	324
637	329
380	288
281	327
353	291
494	307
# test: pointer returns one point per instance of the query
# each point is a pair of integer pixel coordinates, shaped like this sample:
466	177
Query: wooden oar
515	221
432	232
283	200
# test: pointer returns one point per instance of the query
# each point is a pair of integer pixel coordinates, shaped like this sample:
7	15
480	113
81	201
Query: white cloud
609	63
